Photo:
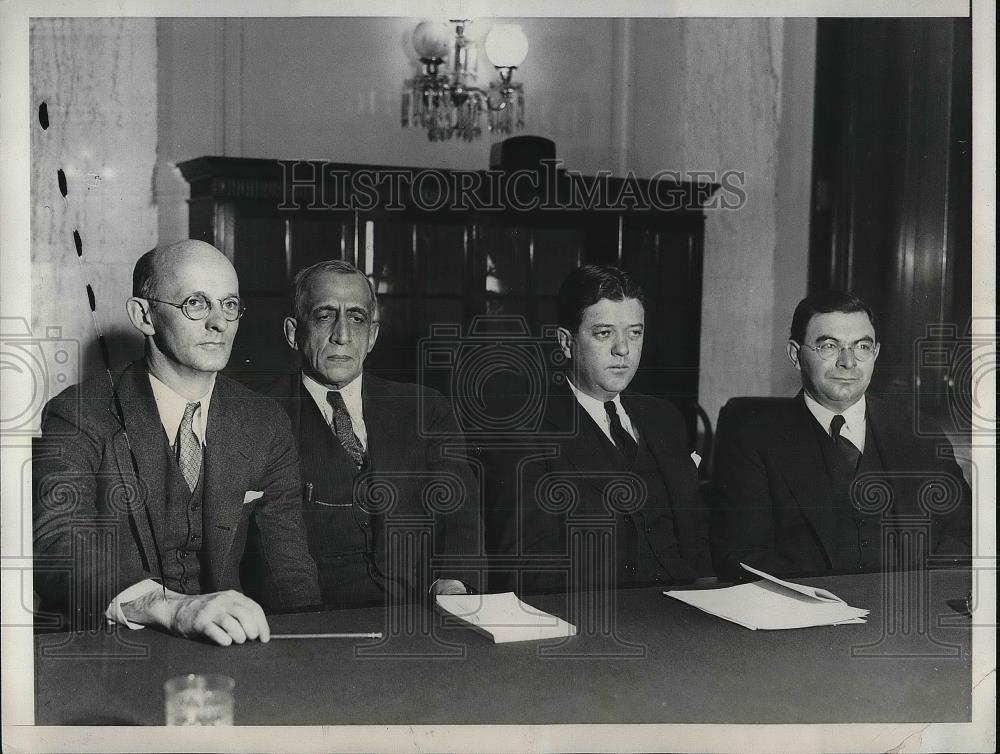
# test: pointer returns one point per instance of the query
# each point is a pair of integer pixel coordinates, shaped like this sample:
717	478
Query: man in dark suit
389	502
821	482
145	480
604	493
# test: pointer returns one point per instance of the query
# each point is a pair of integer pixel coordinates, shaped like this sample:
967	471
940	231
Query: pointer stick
373	635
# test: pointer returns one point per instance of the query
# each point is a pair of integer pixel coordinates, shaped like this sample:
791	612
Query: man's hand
222	617
448	586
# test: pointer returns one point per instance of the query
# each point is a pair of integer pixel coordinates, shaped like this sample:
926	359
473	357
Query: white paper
773	604
504	618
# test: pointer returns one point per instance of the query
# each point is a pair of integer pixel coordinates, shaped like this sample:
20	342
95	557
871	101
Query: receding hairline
306	278
149	268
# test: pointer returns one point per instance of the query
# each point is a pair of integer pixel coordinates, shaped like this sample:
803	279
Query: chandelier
446	97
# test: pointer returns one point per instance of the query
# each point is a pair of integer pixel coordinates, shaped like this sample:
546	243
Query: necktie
850	452
188	447
623	440
343	428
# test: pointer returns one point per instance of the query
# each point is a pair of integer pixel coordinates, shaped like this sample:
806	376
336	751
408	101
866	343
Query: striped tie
344	429
189	447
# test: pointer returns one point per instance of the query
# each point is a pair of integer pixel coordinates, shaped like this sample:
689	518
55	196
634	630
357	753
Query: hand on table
448	586
222	617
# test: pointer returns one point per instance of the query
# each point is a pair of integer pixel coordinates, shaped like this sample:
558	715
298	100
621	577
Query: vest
338	532
183	529
645	540
857	543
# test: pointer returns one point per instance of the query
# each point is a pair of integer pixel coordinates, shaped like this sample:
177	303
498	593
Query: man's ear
565	338
792	349
291	327
138	313
373	331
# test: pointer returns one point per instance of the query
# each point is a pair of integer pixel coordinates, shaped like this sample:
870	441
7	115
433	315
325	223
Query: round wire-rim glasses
863	350
197	307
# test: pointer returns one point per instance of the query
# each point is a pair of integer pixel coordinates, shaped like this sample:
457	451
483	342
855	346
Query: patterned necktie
343	428
188	447
623	440
847	448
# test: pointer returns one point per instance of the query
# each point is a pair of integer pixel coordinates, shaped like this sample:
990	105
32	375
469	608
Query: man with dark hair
615	464
381	460
145	481
816	483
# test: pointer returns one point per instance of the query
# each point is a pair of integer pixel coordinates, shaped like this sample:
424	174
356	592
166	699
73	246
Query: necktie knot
343	428
836	425
847	448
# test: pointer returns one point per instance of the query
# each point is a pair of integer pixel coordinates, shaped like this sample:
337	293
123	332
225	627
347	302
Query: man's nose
620	346
846	358
341	333
215	320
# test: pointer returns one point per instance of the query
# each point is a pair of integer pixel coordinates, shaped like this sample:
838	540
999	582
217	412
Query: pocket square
252	495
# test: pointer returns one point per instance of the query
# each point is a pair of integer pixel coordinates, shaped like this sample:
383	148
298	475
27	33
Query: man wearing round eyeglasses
168	462
812	484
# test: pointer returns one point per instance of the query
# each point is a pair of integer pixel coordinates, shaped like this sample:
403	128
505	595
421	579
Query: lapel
799	459
582	449
384	444
229	452
141	437
896	449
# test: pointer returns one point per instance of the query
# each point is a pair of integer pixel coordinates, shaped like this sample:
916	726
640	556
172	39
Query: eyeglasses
197	307
863	351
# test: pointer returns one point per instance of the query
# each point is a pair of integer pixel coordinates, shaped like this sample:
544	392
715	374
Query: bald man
143	490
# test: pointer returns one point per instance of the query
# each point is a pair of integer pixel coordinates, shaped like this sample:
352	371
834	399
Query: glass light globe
506	45
431	39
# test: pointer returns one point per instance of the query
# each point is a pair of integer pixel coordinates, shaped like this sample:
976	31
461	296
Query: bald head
161	263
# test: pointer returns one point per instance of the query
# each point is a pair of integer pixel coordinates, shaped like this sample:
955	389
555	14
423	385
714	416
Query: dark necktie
343	428
623	440
188	447
850	452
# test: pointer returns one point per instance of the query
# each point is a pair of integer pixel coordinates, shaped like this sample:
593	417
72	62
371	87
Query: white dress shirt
170	406
855	423
351	393
597	412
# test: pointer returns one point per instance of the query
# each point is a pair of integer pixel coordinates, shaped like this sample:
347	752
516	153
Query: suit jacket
417	479
98	518
772	507
564	477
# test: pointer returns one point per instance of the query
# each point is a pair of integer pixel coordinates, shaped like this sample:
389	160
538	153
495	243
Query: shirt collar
854	417
351	393
170	406
593	406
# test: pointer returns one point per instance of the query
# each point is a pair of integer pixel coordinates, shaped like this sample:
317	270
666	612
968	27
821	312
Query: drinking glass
199	699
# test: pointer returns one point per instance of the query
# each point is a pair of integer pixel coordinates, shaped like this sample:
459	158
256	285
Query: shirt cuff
114	612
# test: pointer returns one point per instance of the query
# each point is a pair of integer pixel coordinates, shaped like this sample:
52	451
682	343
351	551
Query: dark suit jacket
417	478
560	477
84	481
772	506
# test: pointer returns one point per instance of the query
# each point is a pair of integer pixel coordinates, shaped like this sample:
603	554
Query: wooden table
662	662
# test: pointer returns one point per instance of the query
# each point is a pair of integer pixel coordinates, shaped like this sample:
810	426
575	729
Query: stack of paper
504	618
773	604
